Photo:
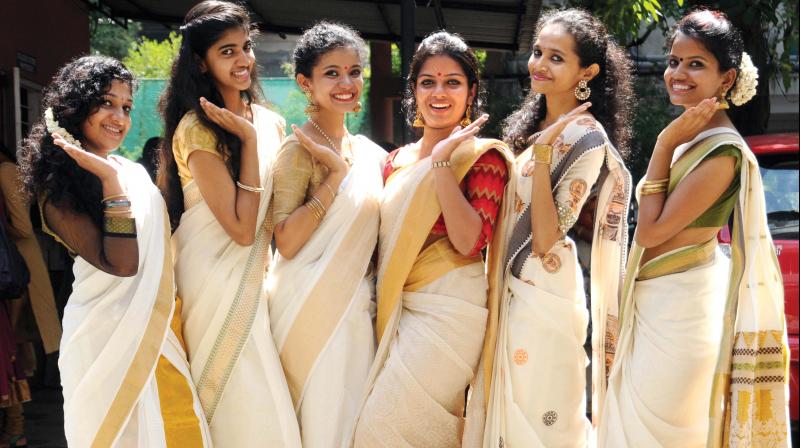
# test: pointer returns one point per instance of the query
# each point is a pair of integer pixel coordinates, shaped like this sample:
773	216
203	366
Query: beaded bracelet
116	203
119	227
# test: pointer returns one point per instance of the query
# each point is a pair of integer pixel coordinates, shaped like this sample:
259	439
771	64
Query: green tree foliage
149	58
108	38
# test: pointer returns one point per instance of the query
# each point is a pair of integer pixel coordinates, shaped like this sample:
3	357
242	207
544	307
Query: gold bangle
649	191
246	187
114	196
316	207
442	164
333	193
542	153
654	183
117	212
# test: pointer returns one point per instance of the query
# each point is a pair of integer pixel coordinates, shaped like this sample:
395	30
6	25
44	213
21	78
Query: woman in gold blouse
326	191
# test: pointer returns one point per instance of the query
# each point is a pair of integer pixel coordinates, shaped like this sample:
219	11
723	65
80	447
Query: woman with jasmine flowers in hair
714	326
445	201
326	197
125	378
570	134
215	171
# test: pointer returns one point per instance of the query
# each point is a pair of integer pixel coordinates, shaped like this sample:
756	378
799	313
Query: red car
777	156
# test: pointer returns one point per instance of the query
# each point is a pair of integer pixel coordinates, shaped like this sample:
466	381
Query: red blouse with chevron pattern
483	187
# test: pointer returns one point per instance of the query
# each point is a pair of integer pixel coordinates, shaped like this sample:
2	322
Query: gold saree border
679	260
144	361
311	329
414	230
236	328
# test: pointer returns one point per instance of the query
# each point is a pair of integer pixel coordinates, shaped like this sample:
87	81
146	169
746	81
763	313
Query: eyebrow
554	50
115	96
689	57
446	74
339	66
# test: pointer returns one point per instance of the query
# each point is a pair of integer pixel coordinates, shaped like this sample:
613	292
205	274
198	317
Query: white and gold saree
123	369
715	327
321	305
234	363
538	395
433	306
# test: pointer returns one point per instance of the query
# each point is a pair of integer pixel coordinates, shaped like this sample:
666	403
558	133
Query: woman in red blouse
444	203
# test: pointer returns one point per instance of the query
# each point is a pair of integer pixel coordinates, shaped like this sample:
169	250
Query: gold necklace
340	151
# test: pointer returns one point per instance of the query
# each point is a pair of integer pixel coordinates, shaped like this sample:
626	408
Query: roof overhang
489	24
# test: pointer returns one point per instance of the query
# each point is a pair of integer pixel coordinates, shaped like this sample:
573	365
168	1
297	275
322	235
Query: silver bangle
249	188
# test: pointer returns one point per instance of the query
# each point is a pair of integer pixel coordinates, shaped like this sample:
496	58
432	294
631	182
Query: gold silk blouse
295	177
190	136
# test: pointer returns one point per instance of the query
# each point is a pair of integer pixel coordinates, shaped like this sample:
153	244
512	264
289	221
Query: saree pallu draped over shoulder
321	305
538	385
718	324
233	359
124	372
437	312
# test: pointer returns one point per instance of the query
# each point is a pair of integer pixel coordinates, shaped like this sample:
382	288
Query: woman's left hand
444	149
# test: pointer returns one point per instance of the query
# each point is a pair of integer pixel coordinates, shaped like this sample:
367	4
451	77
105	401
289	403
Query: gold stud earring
467	120
357	109
418	123
583	91
311	107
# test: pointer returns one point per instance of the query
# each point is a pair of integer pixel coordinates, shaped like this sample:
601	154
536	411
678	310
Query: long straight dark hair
203	26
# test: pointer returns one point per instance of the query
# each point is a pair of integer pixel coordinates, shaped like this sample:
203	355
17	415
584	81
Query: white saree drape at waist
233	359
661	398
117	339
321	306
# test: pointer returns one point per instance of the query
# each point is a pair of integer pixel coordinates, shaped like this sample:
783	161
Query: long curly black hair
442	43
203	25
612	94
45	169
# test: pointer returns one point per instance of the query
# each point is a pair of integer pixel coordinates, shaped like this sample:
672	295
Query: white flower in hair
746	83
53	126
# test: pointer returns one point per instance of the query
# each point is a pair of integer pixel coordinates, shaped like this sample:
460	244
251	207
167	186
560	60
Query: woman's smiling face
693	74
442	92
106	127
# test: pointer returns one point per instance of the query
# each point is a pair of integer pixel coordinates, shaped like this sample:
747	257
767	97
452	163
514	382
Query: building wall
52	33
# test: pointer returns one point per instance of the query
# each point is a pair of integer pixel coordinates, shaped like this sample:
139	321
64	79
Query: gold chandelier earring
418	123
583	91
467	120
311	106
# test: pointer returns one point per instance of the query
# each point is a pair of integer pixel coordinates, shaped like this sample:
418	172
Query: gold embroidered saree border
679	260
435	261
144	361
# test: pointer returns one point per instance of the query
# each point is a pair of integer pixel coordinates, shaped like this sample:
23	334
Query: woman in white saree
216	173
124	372
538	395
716	325
326	209
445	199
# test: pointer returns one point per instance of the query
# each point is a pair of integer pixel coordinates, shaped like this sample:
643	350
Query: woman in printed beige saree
538	395
321	285
124	373
216	172
445	199
715	325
